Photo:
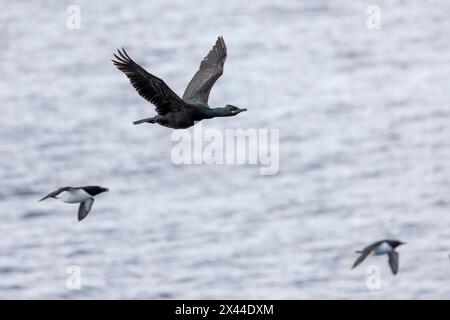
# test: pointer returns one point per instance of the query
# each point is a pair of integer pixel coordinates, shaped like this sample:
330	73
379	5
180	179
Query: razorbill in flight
82	195
380	248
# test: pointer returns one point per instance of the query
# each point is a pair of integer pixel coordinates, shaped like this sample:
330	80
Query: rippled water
364	151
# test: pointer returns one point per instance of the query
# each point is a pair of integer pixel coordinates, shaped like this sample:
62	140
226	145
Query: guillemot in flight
173	111
380	248
82	195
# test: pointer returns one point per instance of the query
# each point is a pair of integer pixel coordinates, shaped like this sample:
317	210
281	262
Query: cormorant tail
149	120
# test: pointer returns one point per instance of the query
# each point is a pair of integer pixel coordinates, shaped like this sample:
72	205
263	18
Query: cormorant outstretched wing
366	251
211	68
151	88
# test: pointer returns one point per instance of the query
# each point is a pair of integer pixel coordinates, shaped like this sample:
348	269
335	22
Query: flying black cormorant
173	111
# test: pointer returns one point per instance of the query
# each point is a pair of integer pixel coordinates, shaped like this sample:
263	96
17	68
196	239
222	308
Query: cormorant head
396	243
232	110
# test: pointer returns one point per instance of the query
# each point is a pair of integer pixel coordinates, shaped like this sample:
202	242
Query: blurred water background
364	151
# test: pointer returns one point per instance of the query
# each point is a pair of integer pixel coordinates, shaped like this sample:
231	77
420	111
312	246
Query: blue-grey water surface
364	151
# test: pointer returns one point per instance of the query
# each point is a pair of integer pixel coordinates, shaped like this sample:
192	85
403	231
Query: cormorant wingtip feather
222	41
126	54
122	55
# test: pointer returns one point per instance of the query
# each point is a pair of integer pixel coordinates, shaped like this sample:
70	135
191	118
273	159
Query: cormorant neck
219	112
202	112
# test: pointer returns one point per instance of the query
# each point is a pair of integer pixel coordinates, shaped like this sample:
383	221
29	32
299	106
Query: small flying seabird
83	195
380	248
173	111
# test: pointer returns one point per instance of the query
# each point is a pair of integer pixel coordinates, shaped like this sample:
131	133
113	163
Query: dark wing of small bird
55	193
151	88
366	251
211	68
393	261
84	208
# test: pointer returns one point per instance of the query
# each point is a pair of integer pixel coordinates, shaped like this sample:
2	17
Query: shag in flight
82	195
173	111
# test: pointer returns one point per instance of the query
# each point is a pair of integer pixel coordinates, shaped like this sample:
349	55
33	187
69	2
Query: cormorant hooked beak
238	111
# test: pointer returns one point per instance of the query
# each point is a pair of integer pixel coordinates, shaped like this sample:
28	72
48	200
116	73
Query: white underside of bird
383	248
73	196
